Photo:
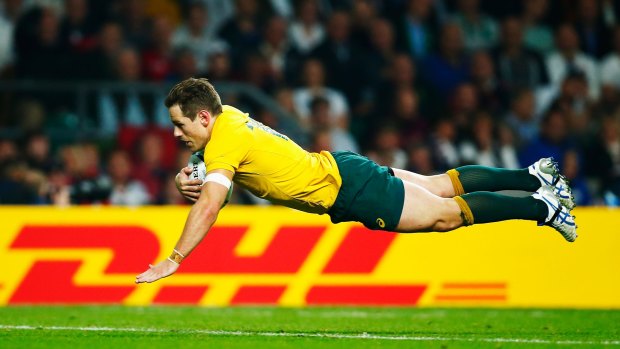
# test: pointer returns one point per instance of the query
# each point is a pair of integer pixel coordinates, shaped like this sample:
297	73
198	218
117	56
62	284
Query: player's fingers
187	170
147	276
141	277
191	183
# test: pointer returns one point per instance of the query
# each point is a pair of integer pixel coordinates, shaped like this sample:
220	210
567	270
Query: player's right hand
189	188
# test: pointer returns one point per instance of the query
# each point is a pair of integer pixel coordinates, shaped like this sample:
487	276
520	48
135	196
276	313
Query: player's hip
369	193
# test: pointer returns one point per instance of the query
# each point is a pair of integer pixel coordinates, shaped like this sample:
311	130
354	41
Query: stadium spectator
508	147
413	127
377	64
132	16
517	66
157	59
403	72
537	34
185	65
340	58
284	97
21	185
30	116
380	55
610	65
306	31
39	50
482	148
38	152
196	35
571	169
128	108
553	139
77	31
8	150
125	190
363	14
608	104
491	93
591	28
219	12
443	144
243	31
101	63
314	79
416	28
275	48
603	157
220	67
9	14
420	159
522	117
568	59
573	102
80	161
449	67
149	166
320	119
169	194
321	140
257	72
463	107
386	149
480	31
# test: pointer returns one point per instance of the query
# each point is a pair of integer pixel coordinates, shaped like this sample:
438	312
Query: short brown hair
194	94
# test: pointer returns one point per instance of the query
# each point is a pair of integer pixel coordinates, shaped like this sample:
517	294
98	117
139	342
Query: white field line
309	335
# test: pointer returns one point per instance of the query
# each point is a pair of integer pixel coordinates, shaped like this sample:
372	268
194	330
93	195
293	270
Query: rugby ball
199	171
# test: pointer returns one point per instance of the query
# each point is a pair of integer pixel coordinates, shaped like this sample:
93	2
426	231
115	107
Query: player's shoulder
231	119
229	111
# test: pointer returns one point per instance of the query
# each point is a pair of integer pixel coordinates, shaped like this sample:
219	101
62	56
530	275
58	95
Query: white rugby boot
548	173
559	216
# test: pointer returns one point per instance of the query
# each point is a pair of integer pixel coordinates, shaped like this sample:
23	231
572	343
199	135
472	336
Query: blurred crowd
424	85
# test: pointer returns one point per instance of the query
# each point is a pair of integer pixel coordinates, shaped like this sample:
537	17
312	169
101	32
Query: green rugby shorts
369	194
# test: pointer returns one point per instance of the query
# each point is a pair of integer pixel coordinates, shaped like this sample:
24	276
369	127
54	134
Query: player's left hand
156	272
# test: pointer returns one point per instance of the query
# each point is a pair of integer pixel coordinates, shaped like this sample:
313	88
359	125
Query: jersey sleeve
228	146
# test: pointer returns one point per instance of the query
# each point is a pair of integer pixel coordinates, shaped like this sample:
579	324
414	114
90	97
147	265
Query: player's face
195	134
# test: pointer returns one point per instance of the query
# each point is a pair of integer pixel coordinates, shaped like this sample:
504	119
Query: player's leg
440	185
472	178
544	172
424	211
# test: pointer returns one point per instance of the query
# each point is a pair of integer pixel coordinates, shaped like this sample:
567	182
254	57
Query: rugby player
344	185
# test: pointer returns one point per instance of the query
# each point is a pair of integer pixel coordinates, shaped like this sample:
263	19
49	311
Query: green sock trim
487	207
482	178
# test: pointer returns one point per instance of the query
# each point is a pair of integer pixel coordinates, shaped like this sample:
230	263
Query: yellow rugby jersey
270	165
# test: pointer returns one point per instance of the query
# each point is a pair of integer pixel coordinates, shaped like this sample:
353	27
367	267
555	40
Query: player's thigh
424	211
439	185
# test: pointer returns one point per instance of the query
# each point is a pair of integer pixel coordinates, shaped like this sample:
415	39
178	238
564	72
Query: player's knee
444	225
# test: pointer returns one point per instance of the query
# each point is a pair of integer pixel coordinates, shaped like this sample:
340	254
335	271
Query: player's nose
177	132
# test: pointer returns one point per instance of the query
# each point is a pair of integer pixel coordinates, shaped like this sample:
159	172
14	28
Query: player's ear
204	117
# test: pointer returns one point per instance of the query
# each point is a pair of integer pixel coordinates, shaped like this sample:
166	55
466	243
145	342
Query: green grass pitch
265	327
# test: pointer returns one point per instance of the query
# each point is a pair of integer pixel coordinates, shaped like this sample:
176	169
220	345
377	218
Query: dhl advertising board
277	256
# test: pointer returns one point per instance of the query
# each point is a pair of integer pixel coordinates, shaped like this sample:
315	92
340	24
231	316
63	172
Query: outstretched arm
200	219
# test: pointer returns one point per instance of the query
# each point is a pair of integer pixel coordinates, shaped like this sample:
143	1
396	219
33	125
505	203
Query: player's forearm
199	221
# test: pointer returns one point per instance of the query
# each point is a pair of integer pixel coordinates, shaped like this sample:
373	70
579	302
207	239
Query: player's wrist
176	257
